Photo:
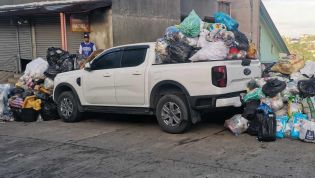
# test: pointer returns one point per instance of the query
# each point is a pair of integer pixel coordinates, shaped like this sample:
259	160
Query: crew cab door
130	77
99	83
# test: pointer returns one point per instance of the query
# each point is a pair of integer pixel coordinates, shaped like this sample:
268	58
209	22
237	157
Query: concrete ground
134	146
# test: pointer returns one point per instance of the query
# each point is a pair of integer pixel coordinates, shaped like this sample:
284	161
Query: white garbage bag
202	42
212	51
308	69
36	68
307	131
4	92
237	124
48	83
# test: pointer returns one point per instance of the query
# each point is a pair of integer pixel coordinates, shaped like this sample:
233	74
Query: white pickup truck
126	80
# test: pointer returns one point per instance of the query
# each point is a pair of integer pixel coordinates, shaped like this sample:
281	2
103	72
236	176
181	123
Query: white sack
212	51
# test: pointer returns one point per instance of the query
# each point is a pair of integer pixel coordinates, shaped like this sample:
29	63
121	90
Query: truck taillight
219	76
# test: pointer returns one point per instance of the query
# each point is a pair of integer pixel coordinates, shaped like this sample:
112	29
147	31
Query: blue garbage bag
229	22
281	125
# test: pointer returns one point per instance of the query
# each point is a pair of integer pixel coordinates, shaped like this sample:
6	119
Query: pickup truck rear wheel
68	107
172	114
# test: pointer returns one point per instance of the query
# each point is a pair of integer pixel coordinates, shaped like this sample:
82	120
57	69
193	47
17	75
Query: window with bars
224	6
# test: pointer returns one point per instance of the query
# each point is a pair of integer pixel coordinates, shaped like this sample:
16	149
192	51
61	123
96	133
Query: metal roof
46	7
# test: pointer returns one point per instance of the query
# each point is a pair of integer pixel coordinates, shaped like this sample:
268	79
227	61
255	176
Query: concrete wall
249	25
267	54
101	28
202	7
143	20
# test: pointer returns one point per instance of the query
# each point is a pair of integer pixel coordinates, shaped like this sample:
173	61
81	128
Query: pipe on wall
63	30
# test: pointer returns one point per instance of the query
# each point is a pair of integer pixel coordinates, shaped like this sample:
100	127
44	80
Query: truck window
133	57
107	61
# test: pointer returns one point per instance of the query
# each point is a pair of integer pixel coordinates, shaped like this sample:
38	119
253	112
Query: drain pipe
63	30
251	20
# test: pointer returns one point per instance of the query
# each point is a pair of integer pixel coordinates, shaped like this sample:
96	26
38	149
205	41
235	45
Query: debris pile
287	95
31	98
195	40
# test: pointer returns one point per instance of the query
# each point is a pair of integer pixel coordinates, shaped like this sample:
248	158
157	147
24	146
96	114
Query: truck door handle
137	73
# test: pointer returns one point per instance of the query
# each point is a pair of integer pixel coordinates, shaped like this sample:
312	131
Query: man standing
87	47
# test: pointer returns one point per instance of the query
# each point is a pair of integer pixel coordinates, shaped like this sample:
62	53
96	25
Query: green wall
267	55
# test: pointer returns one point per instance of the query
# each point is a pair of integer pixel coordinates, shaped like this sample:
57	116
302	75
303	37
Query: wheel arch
62	87
167	86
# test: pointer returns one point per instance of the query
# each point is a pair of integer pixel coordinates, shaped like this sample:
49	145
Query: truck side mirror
87	67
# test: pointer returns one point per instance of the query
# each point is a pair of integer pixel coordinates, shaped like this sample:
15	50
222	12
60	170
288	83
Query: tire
168	108
68	107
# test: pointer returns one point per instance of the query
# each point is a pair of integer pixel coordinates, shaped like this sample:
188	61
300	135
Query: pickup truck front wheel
68	107
172	114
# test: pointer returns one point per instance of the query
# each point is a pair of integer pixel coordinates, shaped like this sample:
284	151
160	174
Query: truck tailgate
238	75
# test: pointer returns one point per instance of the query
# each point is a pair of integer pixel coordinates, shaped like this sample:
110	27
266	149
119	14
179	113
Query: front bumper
215	101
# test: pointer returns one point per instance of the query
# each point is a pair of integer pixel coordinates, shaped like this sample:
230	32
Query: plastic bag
224	18
4	92
297	118
297	76
268	124
255	94
190	41
307	131
49	84
309	69
179	52
52	71
213	51
172	34
281	125
250	109
49	110
275	103
273	87
307	87
67	65
288	65
294	107
283	111
190	27
202	42
217	26
251	52
237	124
241	40
36	68
309	107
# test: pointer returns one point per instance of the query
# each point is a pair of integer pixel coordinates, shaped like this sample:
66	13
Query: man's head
86	37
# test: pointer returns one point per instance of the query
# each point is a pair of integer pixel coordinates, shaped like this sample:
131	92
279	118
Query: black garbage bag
29	115
15	91
54	55
67	65
49	110
273	87
241	40
179	52
52	71
307	87
267	124
27	93
250	109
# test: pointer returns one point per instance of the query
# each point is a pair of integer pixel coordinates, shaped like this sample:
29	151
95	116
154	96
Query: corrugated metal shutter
25	41
74	38
8	45
47	34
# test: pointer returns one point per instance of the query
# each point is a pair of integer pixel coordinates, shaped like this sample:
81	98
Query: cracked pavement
134	146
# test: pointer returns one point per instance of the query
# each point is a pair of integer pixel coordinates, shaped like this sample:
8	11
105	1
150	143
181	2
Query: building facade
29	27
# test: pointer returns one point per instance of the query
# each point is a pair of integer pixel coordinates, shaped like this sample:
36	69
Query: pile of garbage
31	98
195	40
281	104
